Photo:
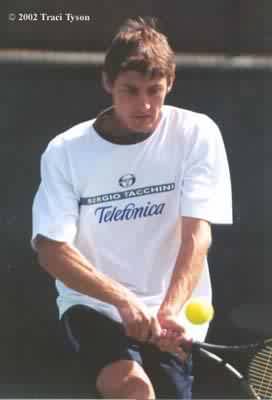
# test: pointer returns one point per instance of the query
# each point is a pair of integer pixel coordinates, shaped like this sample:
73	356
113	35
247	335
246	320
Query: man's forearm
66	264
187	271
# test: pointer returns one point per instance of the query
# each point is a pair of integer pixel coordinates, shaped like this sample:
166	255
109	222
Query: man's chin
142	127
141	130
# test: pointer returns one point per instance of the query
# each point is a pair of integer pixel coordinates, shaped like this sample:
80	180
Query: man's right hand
138	322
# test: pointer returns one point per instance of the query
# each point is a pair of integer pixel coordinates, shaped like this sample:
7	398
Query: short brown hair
139	46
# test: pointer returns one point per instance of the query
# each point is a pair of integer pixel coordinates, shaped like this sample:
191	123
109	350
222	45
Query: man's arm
196	240
65	263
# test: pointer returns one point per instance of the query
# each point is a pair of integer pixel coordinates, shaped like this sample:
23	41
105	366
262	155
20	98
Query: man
122	221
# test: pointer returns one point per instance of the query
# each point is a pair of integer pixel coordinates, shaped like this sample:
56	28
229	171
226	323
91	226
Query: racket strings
260	373
268	391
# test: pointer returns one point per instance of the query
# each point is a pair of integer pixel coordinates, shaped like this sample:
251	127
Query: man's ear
106	83
170	85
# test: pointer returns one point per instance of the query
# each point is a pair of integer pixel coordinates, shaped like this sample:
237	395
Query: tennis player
122	219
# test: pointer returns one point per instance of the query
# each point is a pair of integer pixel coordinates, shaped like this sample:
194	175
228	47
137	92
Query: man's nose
144	102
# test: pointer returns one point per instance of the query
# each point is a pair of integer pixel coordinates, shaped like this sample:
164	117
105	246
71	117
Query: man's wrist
124	299
168	311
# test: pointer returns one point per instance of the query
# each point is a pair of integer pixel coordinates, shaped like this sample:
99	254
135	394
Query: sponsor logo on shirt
129	212
127	194
127	180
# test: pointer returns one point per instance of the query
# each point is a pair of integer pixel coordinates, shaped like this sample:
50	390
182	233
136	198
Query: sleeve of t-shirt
55	206
206	185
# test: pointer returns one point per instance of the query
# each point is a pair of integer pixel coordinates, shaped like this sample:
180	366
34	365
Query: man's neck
108	127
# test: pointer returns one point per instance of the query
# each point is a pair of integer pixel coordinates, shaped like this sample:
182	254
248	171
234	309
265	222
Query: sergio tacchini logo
127	180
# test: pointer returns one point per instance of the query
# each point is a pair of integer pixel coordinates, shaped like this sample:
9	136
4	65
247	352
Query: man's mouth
142	117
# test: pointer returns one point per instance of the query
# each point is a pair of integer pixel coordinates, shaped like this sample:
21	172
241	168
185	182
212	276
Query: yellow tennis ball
199	311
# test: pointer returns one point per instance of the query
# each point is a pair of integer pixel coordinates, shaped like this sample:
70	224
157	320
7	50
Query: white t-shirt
121	205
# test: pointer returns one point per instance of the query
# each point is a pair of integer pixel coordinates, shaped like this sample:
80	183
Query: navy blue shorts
99	341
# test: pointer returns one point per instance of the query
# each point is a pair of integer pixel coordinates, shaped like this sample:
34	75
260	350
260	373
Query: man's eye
155	91
130	91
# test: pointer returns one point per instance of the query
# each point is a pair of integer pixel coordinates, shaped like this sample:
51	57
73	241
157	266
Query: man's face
137	100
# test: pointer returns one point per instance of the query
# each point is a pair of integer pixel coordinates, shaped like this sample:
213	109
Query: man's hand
138	322
172	336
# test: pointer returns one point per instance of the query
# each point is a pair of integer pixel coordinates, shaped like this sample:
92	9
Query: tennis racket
257	383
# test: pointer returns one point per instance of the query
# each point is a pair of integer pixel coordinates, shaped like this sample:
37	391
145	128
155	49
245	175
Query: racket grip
189	345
